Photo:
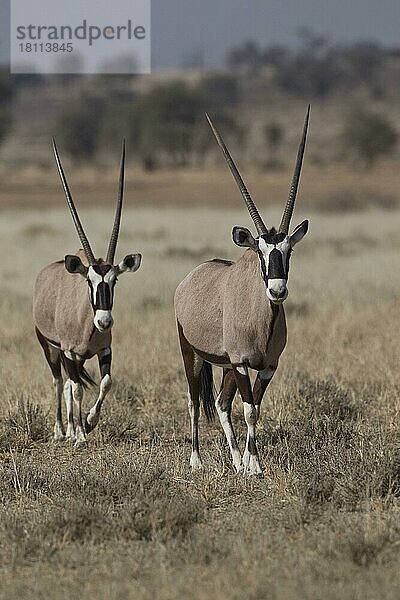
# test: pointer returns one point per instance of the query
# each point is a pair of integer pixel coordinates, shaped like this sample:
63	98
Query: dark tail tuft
207	391
80	374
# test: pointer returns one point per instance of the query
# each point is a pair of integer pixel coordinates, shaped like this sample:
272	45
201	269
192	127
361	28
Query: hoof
80	444
237	461
195	463
91	421
59	435
251	465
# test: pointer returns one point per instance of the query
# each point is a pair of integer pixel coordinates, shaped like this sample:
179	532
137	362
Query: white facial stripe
95	279
110	277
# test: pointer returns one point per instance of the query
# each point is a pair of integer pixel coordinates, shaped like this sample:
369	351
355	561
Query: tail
207	391
80	374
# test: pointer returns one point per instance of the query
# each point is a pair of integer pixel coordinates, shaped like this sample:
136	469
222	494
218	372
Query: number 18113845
36	47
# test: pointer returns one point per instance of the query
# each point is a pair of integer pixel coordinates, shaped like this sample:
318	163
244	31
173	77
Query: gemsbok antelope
72	304
230	314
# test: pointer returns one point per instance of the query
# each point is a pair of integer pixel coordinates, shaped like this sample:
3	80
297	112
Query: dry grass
126	518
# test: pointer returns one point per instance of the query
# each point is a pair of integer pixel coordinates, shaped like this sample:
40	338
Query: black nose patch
275	265
103	296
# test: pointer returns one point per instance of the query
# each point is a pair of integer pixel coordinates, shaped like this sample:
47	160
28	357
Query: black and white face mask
274	250
101	278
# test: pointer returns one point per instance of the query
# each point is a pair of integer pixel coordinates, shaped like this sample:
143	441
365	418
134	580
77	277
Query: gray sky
180	27
183	27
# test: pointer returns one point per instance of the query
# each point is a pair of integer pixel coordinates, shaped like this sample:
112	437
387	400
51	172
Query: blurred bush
317	67
6	94
79	127
166	123
368	136
274	133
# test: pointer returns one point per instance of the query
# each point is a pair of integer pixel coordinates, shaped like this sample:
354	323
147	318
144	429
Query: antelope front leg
260	385
223	404
59	434
250	457
93	416
80	435
70	435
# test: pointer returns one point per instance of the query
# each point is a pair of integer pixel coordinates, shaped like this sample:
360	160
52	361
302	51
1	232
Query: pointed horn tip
211	124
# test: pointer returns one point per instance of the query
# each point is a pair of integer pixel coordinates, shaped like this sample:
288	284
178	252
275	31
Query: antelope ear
130	263
242	237
299	233
73	264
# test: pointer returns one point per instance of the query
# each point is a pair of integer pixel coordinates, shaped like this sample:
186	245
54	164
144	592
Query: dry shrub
332	454
122	503
352	200
25	424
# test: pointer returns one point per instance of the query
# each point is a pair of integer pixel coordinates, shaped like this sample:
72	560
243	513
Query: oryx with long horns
72	304
230	314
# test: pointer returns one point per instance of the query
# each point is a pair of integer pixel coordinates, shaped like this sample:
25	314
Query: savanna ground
126	518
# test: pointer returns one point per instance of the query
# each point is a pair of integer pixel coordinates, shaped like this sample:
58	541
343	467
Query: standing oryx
72	305
230	314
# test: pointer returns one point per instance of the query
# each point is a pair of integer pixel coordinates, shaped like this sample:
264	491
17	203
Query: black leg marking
105	359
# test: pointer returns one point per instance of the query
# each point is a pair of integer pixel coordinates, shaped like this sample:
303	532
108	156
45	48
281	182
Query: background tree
78	128
274	134
248	56
368	136
168	125
6	94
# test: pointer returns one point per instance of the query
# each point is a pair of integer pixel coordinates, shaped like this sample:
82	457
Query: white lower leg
59	433
70	434
94	414
250	457
80	435
226	423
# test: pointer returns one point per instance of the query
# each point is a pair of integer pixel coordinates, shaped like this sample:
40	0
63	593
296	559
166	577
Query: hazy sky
180	27
183	27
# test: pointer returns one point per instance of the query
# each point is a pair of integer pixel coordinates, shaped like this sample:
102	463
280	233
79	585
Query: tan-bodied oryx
230	314
72	306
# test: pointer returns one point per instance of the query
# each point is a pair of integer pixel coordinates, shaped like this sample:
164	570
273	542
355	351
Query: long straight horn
288	212
117	220
255	215
82	236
